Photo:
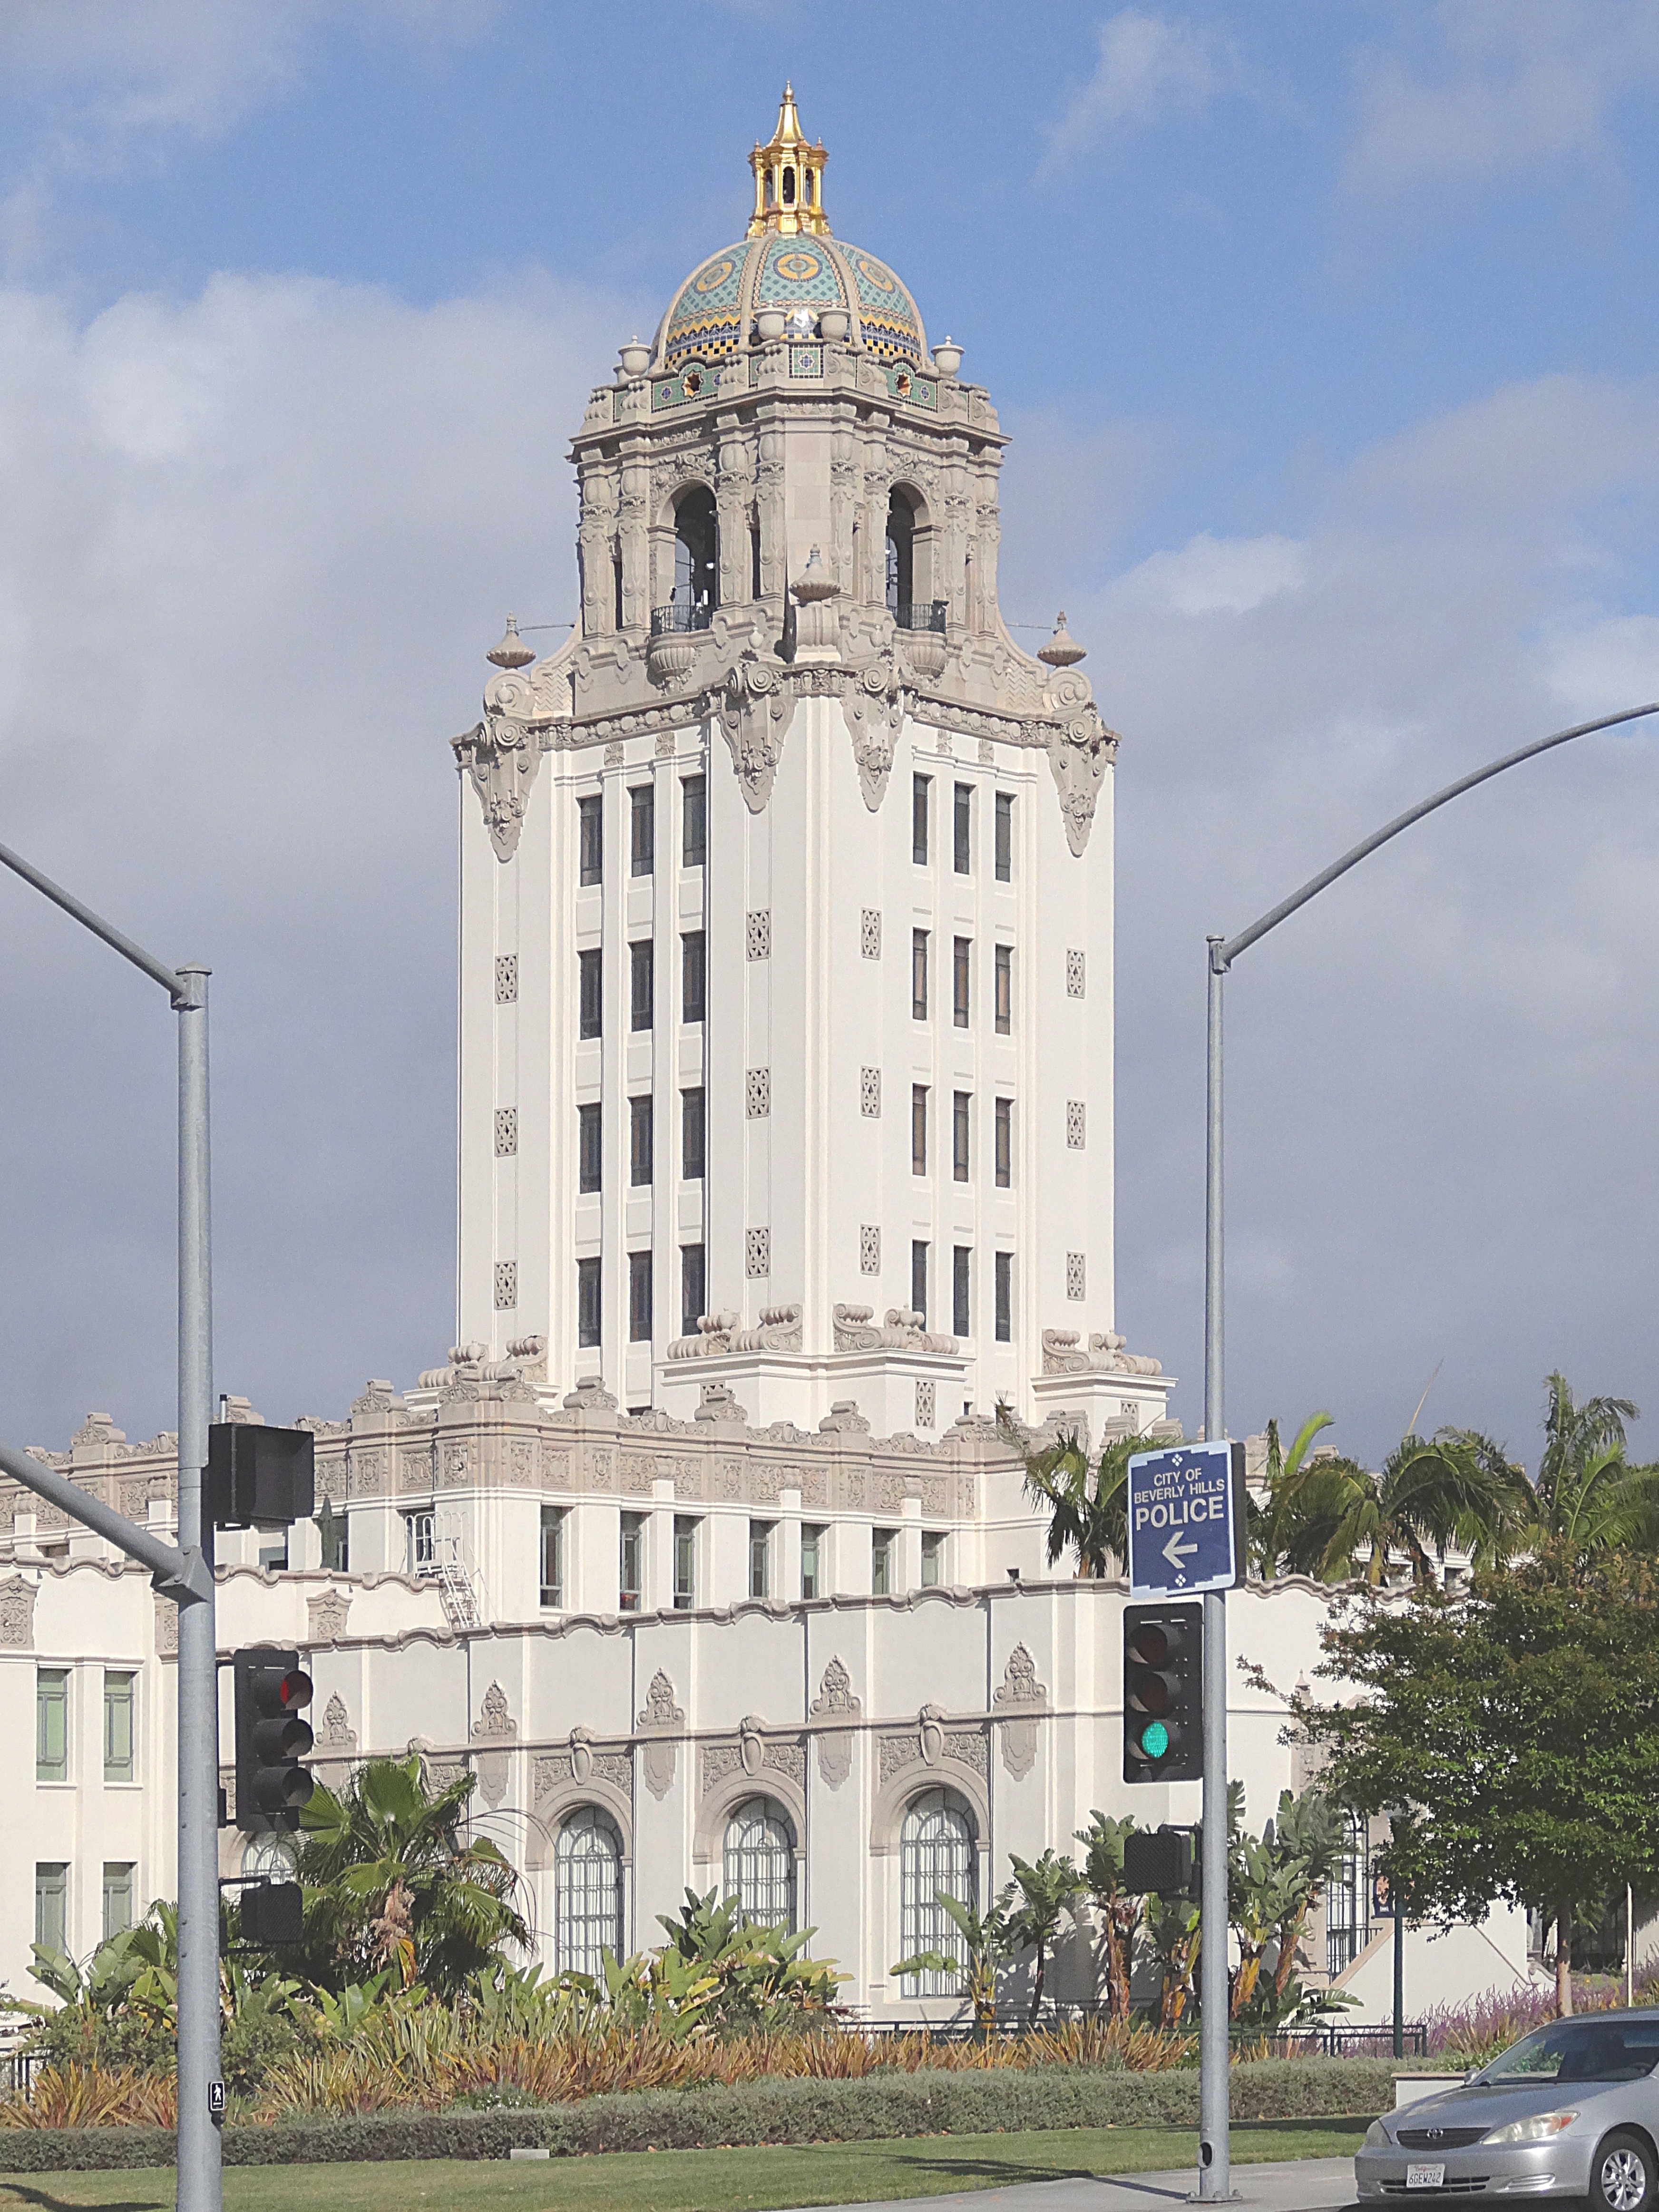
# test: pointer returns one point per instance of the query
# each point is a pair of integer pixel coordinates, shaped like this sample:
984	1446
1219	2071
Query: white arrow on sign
1176	1552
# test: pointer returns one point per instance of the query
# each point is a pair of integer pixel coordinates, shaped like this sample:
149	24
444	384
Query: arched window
901	554
274	1855
759	1862
696	553
936	1852
789	188
588	1895
1347	1901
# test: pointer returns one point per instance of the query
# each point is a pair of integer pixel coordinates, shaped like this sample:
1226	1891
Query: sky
1325	339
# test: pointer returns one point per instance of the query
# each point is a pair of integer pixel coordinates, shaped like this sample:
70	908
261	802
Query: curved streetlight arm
1224	951
174	985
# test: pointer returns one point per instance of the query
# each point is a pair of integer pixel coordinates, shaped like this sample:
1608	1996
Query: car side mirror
1473	2075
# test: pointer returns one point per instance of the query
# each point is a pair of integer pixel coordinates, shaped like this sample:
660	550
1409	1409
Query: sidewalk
1292	2185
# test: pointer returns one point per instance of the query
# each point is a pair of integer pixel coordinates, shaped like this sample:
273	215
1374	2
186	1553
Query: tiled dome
789	261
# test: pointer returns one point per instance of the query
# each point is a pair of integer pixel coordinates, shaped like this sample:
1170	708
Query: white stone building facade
786	1155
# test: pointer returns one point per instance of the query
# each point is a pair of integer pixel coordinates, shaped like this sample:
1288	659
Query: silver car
1572	2109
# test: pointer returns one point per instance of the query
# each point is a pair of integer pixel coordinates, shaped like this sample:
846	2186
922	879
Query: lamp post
187	1574
1220	952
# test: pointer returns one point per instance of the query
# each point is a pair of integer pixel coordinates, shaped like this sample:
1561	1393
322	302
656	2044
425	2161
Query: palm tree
1088	1509
391	1880
987	1945
1045	1888
1340	1521
1589	1497
1120	1909
1273	1524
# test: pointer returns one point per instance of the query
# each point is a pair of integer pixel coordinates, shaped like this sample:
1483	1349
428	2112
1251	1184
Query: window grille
870	1093
926	1411
759	934
1347	1901
759	1096
506	1285
757	1251
936	1852
588	1893
870	933
870	1249
507	978
506	1132
1075	1124
758	1862
1076	1275
1074	975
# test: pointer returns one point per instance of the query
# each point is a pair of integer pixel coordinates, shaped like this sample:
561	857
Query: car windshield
1580	2051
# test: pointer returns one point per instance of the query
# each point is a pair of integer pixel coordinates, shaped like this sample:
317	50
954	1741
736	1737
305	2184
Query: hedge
779	2112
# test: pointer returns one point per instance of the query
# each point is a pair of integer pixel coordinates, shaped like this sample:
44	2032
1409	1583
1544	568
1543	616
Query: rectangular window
591	816
884	1560
963	840
587	1301
1004	1144
919	1279
118	1896
335	1531
760	1558
917	1128
694	1288
933	1557
553	1555
962	1107
273	1552
685	1562
118	1726
420	1542
962	967
642	830
590	1148
812	1558
920	787
592	968
1004	1298
630	1563
919	974
639	1298
616	590
691	1134
1005	836
694	822
961	1274
52	1724
642	967
640	1125
694	976
1005	990
51	1905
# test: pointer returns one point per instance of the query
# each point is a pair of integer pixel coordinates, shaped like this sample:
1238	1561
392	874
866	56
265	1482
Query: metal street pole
1398	1983
1220	952
201	2089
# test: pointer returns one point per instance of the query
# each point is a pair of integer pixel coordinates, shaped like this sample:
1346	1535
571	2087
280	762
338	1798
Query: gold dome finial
788	177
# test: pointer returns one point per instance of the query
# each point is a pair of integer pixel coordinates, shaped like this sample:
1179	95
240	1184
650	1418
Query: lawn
750	2180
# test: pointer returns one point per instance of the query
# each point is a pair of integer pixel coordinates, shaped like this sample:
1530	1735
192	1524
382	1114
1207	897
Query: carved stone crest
661	1715
494	1726
502	757
835	1700
1016	1702
17	1613
756	709
873	706
167	1628
327	1616
1080	751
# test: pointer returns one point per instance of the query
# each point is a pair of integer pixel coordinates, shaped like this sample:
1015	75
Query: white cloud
1519	81
257	545
1149	66
1212	575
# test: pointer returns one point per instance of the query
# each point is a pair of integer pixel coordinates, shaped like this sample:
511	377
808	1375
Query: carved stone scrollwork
501	756
1016	1704
873	706
1063	1354
496	1727
756	709
662	1719
835	1700
1080	751
901	1331
327	1616
17	1613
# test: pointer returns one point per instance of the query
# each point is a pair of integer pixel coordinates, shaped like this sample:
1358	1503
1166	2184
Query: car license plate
1426	2176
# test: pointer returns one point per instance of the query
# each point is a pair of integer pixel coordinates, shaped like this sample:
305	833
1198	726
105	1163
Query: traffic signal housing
273	1914
1163	1693
256	1474
1158	1860
272	1693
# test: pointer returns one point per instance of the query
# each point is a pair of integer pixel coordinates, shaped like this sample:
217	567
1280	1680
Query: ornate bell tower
787	901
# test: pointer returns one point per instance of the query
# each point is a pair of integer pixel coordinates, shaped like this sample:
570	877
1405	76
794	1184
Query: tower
786	994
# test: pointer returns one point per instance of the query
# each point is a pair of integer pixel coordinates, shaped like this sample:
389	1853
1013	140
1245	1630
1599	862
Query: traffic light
271	1740
273	1914
1159	1860
1163	1693
255	1474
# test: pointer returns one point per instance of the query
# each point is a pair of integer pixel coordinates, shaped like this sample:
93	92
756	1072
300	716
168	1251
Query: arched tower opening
696	590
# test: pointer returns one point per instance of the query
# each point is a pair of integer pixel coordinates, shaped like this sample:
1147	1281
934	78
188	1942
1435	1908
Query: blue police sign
1186	1510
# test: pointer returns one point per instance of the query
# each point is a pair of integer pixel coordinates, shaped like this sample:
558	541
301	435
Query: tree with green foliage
1271	1883
1120	1910
761	1977
1043	1891
1334	1519
1589	1497
393	1880
1517	1730
987	1946
1087	1505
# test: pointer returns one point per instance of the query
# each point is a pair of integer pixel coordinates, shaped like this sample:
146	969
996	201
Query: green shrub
772	2111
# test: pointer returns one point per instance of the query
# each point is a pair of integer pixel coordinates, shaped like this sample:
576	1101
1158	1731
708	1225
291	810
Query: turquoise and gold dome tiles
713	314
706	317
800	272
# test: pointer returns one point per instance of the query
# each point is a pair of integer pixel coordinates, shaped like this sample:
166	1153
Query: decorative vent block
1074	975
760	934
926	1415
757	1251
869	1249
506	1285
988	752
870	1092
1076	1274
613	753
1076	1124
870	932
760	1093
507	978
506	1132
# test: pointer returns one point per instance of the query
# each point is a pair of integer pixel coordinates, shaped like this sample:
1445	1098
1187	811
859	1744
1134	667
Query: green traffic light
1155	1740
